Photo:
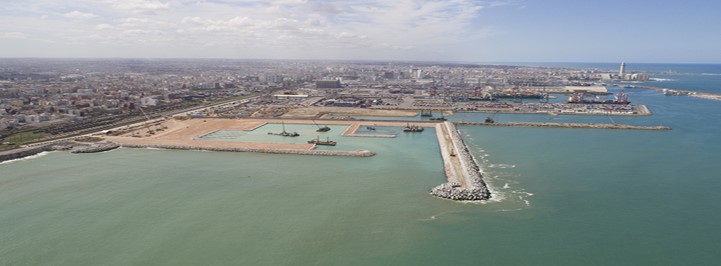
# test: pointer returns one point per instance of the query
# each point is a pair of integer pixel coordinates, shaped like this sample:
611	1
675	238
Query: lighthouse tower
622	71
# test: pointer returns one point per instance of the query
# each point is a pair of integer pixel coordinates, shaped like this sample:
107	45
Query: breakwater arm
357	153
465	181
564	125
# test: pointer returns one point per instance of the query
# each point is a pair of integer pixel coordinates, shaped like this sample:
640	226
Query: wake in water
41	154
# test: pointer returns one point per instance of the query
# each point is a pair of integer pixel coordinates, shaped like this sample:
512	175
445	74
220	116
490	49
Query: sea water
560	197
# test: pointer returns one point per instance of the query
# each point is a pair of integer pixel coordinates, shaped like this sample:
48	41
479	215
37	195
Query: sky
641	31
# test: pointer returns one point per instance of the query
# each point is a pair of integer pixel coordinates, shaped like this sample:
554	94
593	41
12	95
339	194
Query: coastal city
99	105
44	98
360	132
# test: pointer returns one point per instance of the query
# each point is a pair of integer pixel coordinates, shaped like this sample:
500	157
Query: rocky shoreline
475	189
30	151
95	148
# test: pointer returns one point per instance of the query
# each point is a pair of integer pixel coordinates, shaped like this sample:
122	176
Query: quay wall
564	125
357	153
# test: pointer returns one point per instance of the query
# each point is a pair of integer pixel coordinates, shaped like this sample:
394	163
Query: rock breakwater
564	125
357	153
95	148
465	181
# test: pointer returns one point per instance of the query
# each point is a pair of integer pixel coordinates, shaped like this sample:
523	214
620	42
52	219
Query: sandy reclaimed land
315	112
186	132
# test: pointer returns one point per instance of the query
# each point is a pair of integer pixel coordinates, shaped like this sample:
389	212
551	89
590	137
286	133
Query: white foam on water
433	217
509	210
710	74
41	154
502	166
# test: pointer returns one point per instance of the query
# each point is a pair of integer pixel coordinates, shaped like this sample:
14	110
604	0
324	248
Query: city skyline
460	30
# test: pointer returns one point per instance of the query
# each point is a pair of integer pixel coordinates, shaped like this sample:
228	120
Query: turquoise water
561	197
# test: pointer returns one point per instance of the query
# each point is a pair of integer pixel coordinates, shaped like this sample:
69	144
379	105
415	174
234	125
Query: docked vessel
620	98
326	142
412	128
285	133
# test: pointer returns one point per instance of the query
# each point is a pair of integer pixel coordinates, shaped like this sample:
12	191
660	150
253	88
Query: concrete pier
465	181
351	132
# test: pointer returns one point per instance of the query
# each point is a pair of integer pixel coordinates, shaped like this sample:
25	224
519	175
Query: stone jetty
356	153
465	182
564	125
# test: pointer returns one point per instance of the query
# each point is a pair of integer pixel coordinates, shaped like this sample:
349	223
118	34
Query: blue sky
454	30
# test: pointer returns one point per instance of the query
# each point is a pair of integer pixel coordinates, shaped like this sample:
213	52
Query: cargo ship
620	98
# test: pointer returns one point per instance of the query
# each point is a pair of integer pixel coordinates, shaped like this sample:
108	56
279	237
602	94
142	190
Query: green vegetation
14	140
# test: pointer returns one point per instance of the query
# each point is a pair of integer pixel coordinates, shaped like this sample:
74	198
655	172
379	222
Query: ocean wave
711	74
524	197
662	80
41	154
502	166
509	210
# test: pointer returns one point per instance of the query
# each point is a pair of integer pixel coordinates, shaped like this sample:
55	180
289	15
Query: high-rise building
622	71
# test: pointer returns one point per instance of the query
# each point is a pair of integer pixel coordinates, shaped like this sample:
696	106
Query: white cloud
137	6
307	27
103	26
79	15
12	35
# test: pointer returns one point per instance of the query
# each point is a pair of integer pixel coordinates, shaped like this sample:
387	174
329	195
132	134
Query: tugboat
412	128
317	141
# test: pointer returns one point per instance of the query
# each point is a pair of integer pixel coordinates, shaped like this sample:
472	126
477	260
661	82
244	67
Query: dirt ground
314	112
